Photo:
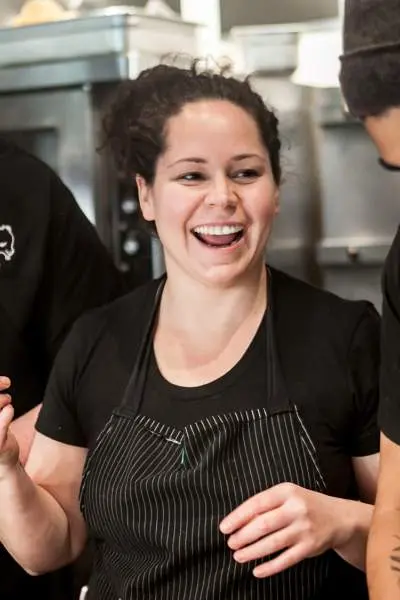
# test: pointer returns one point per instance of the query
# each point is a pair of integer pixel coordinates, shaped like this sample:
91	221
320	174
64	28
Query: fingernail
238	557
225	527
5	380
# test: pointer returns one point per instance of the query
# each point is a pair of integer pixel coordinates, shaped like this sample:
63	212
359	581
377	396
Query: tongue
218	240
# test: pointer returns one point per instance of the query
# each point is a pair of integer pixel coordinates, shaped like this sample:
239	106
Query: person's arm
300	524
40	521
359	514
23	429
383	555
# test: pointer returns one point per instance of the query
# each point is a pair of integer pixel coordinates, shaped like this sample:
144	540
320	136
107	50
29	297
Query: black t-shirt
389	408
53	267
329	352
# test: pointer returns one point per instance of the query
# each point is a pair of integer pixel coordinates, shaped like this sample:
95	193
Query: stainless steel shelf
353	252
95	36
84	71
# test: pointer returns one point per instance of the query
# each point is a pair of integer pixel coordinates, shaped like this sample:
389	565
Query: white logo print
7	242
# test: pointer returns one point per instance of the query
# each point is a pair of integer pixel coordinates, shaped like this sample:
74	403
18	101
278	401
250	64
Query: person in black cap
370	81
53	267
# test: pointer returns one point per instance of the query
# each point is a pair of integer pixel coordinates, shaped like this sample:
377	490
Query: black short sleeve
58	417
93	367
363	370
389	409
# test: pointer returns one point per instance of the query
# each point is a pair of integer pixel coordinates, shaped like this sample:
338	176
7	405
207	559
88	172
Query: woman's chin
227	275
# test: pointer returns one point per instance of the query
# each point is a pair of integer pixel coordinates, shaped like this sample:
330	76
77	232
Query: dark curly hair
136	122
370	65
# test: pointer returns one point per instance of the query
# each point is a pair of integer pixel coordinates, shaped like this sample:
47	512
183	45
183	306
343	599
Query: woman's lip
221	247
226	249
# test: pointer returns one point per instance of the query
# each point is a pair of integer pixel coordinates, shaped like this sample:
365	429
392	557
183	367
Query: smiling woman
214	432
205	155
214	195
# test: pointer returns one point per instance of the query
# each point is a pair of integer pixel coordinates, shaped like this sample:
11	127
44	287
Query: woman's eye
191	177
246	174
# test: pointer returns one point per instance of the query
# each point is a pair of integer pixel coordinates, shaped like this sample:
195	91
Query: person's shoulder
393	256
122	321
391	271
29	185
311	305
304	291
137	302
131	310
20	167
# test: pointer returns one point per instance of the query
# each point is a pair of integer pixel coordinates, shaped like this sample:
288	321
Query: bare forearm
383	555
357	517
33	526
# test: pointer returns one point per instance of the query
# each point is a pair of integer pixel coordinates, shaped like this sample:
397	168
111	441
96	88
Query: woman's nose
221	193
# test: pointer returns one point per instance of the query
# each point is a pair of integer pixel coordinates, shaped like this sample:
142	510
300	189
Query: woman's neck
203	331
192	308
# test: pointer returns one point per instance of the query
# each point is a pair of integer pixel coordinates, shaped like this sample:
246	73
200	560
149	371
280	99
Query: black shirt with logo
53	267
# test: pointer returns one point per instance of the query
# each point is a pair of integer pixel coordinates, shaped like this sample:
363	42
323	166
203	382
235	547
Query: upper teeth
218	229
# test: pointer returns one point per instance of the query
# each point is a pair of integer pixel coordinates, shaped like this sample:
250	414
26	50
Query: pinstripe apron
153	495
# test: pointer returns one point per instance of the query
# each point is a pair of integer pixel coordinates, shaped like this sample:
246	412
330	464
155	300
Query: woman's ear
145	197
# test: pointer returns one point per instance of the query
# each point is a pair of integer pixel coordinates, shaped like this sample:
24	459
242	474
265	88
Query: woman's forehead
212	123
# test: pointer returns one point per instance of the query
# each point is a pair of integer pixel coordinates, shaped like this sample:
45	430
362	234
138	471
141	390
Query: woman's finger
256	505
290	557
5	400
6	416
280	540
5	383
259	527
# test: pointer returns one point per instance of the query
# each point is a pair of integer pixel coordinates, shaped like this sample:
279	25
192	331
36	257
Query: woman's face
214	198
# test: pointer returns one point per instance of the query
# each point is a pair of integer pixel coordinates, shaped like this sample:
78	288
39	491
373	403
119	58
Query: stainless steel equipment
296	230
96	35
55	81
359	202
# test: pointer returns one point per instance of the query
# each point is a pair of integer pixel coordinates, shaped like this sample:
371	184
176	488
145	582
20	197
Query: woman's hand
286	518
9	450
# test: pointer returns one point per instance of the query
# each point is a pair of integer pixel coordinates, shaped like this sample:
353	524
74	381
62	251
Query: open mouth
218	236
